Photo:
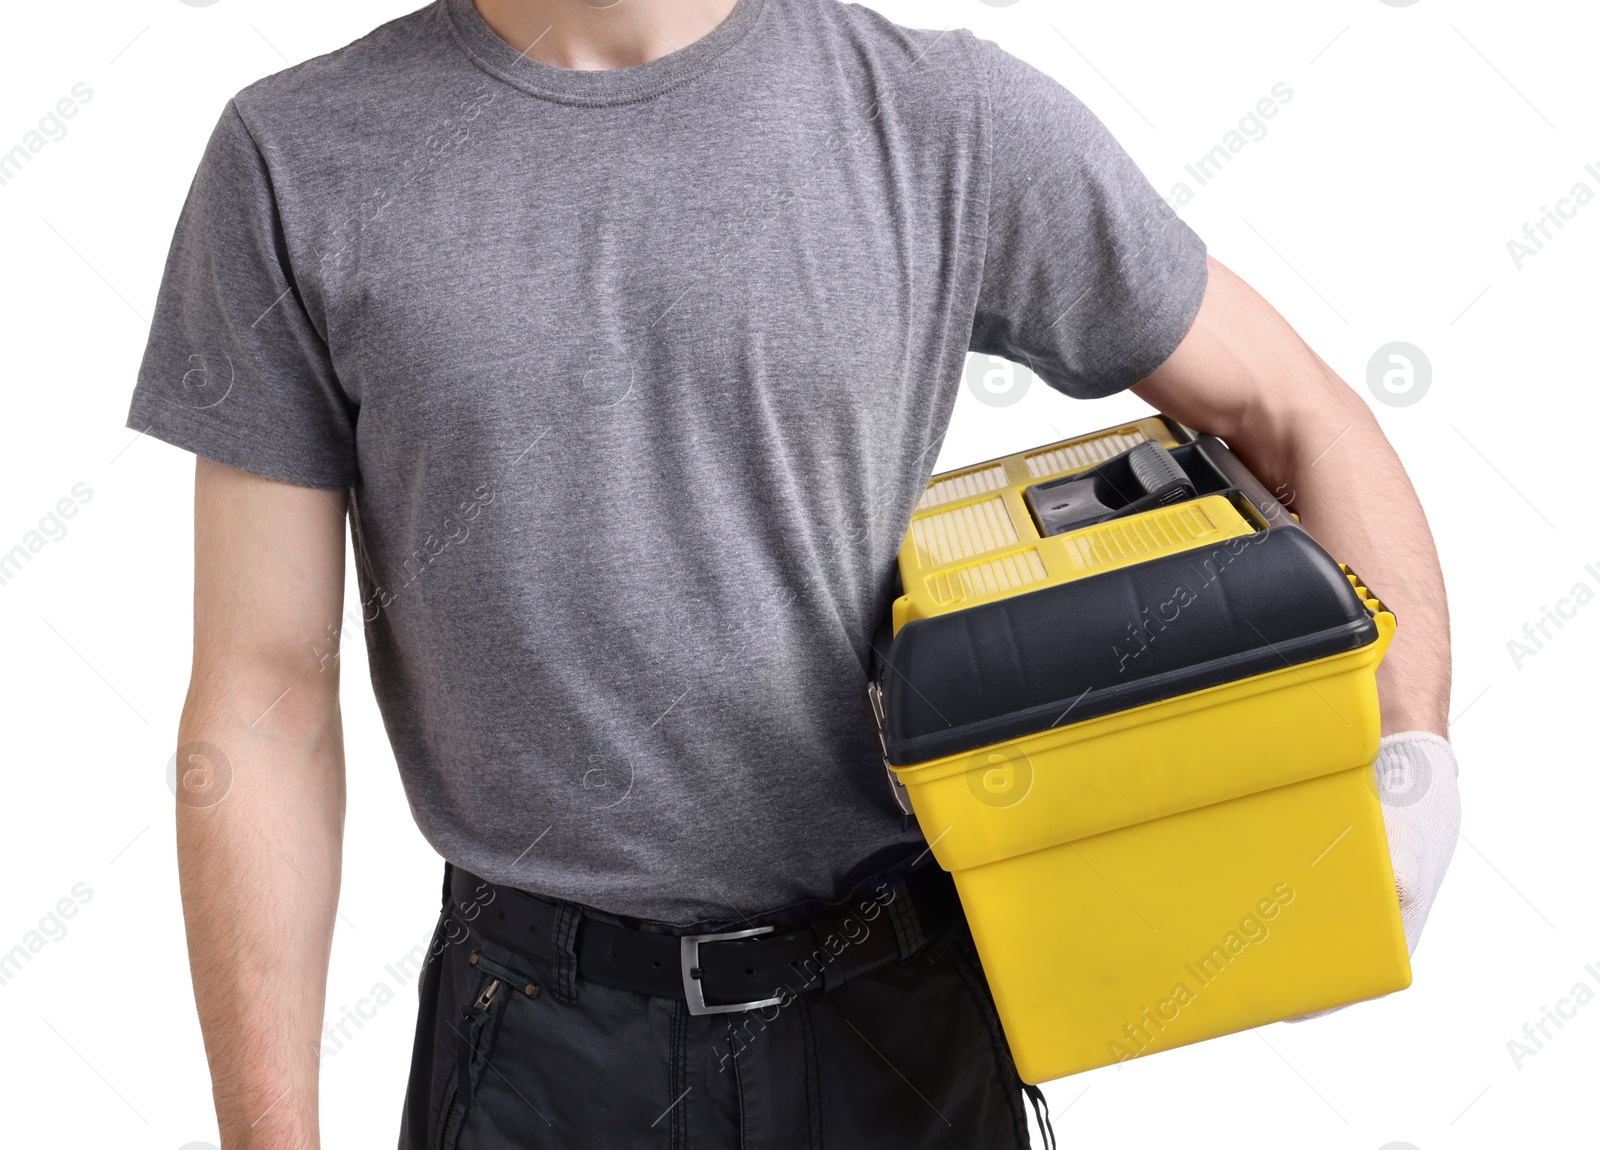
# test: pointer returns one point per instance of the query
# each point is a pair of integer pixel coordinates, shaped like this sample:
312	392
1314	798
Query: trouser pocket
492	984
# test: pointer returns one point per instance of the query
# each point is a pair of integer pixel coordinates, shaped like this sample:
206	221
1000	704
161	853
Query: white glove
1416	778
1421	813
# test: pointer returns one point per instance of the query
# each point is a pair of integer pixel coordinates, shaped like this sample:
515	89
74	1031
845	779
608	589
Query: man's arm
259	866
1244	375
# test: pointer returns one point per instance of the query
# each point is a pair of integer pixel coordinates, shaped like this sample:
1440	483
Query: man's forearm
258	850
259	871
1243	374
1352	493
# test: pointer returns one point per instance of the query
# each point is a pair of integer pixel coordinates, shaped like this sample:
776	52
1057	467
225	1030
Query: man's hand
1243	375
261	795
1416	774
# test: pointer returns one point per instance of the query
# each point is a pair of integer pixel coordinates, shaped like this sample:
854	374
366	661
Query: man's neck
594	35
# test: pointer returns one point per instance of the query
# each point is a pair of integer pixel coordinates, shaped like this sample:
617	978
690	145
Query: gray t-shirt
636	377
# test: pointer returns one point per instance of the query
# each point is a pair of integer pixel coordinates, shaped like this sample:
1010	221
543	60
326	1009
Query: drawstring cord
1041	1114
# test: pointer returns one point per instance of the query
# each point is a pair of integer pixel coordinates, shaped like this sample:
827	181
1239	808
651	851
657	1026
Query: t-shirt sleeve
235	369
1090	278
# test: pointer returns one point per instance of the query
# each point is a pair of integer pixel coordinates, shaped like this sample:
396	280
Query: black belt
723	971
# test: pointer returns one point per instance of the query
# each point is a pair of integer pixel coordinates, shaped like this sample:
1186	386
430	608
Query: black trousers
910	1054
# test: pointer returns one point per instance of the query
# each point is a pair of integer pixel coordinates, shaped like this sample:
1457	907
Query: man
627	337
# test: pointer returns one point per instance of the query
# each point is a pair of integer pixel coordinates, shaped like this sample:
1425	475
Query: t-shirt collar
599	87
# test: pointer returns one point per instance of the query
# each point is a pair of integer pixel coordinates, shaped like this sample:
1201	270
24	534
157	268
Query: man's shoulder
882	40
371	78
930	82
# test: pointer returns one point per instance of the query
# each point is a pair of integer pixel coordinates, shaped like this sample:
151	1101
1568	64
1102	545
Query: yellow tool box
1131	703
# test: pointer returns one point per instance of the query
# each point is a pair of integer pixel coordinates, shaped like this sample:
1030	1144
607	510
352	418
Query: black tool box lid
1074	651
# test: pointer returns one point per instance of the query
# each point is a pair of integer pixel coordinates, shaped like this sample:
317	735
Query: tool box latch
902	797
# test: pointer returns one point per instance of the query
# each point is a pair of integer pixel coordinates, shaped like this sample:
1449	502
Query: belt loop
444	895
907	925
830	969
565	938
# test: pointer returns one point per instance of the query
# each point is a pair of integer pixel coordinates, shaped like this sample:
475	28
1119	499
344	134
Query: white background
1419	140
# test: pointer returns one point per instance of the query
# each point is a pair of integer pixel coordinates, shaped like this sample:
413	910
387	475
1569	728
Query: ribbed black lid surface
1078	650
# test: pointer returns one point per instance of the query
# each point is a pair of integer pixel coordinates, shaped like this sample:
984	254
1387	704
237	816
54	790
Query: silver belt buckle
689	961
